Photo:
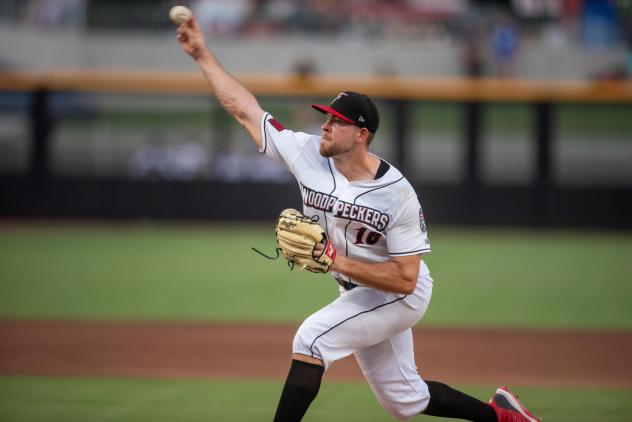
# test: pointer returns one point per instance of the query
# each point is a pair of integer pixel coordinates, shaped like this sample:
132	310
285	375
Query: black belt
347	285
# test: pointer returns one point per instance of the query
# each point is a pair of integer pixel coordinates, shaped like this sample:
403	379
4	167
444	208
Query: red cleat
509	409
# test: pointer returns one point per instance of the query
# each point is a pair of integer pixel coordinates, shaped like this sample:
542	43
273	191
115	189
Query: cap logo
361	119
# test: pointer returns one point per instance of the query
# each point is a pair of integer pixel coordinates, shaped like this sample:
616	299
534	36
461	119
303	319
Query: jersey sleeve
408	235
280	144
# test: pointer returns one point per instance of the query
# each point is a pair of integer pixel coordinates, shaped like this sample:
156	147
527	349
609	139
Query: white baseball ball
180	14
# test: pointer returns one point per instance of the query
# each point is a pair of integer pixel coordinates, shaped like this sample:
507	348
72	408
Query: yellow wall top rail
501	90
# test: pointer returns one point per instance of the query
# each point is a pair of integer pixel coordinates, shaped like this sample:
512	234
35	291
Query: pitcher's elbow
408	286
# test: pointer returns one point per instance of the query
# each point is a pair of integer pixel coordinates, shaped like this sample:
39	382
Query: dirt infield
182	350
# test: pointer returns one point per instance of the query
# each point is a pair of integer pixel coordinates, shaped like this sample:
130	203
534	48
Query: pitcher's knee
303	345
405	405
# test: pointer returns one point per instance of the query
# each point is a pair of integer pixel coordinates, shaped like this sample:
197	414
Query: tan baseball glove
298	236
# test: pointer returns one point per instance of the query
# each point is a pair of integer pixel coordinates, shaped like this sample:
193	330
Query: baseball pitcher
362	221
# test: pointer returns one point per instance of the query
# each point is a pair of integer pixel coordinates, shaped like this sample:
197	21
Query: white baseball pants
376	327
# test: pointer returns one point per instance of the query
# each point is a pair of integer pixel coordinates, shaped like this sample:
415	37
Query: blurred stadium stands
479	162
521	38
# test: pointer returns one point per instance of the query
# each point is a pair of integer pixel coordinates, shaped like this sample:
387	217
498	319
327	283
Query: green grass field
113	400
482	277
145	271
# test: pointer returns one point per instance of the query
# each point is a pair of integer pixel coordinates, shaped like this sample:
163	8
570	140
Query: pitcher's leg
300	389
390	369
358	319
447	402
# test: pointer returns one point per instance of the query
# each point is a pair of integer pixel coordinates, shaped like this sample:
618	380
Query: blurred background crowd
504	38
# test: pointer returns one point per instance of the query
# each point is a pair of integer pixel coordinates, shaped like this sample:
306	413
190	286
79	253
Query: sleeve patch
422	220
276	124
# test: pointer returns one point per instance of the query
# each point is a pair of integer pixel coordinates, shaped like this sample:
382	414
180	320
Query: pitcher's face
338	136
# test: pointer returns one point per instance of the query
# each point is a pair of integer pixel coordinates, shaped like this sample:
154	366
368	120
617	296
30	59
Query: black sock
300	389
447	402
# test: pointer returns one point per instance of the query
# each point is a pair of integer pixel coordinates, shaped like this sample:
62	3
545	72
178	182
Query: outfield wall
157	145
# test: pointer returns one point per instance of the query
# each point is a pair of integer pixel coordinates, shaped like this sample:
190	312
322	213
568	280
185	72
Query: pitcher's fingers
319	248
180	30
192	24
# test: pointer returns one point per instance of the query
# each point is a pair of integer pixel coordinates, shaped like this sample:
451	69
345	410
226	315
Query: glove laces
278	254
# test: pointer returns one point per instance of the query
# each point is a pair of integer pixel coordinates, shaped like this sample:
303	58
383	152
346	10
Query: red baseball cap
357	109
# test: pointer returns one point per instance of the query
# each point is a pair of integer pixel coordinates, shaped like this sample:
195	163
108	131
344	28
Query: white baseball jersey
366	220
369	221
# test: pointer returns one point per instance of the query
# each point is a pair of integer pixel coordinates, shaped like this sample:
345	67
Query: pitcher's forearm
397	275
238	101
233	96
